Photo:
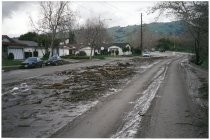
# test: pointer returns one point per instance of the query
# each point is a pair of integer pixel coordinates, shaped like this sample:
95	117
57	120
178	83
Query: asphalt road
104	120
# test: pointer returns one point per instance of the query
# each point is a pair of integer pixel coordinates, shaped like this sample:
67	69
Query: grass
84	57
6	62
75	57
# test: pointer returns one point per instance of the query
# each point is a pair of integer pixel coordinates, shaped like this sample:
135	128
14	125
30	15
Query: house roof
16	42
11	42
28	43
121	45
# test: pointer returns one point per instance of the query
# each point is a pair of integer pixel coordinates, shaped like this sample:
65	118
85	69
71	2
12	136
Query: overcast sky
15	14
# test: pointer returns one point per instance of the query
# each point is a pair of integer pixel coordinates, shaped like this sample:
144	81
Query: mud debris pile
37	105
41	106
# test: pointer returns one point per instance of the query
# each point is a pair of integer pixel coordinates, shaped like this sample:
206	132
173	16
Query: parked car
146	54
32	62
54	60
162	50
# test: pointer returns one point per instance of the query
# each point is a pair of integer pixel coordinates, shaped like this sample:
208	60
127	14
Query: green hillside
170	28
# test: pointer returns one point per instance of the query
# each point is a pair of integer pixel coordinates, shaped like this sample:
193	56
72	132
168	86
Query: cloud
121	13
11	7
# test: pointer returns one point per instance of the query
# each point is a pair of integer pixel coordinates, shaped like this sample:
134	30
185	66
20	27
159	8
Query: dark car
32	62
54	60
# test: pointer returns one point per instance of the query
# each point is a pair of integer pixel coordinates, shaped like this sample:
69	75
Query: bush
136	51
95	53
46	56
82	53
11	56
125	49
117	52
75	57
105	52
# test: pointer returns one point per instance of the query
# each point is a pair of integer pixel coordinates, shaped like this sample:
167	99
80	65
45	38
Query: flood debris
41	106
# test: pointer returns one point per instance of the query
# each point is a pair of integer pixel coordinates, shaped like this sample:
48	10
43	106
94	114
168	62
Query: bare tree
149	38
94	33
193	13
55	17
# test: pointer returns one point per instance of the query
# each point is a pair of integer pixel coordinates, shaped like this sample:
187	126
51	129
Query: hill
119	34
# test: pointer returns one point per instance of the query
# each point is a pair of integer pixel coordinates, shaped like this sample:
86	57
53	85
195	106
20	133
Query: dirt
40	106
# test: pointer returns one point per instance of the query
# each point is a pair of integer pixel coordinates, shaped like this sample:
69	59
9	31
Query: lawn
6	62
84	57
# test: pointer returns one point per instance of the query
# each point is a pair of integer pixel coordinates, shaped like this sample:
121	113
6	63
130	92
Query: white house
121	48
61	50
31	49
114	49
85	49
20	49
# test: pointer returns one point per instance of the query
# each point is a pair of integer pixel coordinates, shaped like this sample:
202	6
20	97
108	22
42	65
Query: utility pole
141	46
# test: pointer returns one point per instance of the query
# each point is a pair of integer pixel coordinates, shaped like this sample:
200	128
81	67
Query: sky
15	14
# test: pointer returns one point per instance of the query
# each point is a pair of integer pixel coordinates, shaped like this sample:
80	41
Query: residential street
117	98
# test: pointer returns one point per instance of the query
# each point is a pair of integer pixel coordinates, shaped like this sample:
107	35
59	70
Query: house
10	46
87	50
120	49
21	49
61	50
31	49
104	49
84	48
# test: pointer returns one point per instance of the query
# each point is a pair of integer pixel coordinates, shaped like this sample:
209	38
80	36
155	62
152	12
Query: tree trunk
197	48
91	52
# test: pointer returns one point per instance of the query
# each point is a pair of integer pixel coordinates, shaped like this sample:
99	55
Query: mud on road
40	106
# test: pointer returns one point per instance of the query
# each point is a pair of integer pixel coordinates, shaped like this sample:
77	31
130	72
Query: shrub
82	53
136	51
11	56
95	53
46	56
117	52
125	49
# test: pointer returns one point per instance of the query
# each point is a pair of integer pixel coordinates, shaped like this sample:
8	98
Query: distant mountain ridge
119	34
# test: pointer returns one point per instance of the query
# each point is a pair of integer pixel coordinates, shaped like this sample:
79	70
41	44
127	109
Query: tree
164	44
93	33
150	39
195	16
31	36
55	17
